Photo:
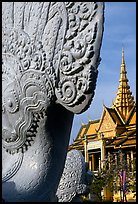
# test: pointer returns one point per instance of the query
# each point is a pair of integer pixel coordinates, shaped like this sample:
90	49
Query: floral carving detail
30	54
11	101
79	57
67	91
74	180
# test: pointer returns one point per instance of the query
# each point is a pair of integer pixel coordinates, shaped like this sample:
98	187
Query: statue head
46	60
27	91
50	56
76	178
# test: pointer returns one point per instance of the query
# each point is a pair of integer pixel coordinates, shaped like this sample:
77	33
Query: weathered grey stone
76	178
50	56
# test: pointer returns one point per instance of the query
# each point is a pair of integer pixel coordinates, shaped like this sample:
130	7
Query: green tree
110	177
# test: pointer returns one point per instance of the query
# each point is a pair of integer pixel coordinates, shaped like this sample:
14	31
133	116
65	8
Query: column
103	161
99	163
85	149
128	162
132	159
116	159
102	153
93	166
90	162
109	160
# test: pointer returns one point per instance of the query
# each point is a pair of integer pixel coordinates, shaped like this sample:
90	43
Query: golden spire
123	60
124	100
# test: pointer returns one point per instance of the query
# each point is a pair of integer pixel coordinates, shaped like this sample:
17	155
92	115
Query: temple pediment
107	125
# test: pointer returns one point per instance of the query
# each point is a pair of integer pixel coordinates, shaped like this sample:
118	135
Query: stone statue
76	178
50	56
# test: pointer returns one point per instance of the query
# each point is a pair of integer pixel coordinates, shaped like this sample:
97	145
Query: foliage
85	199
97	186
109	175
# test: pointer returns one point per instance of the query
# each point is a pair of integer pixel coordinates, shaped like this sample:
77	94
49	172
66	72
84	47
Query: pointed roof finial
123	59
81	122
123	66
103	103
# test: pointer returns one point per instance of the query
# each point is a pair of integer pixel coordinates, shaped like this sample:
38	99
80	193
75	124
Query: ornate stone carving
76	178
50	55
26	97
78	67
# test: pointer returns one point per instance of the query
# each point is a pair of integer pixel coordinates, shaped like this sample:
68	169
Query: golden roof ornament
124	100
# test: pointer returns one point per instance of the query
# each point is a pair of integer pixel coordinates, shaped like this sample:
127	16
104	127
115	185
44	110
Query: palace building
115	130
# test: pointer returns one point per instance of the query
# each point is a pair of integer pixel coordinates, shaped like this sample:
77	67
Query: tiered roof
117	124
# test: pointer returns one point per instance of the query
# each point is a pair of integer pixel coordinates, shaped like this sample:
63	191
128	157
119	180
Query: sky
119	32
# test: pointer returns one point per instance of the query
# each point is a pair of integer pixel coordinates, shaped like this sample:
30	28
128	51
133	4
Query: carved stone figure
50	56
76	178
